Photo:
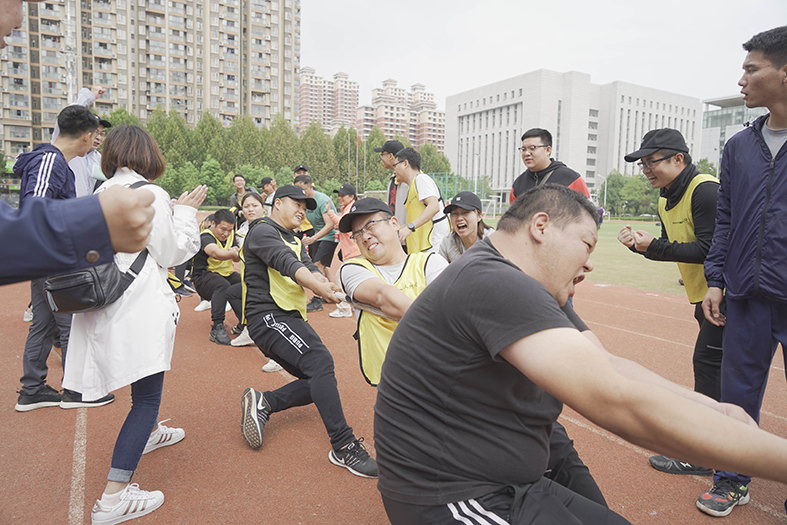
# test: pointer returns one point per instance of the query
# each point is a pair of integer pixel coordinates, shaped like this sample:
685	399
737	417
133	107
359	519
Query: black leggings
707	356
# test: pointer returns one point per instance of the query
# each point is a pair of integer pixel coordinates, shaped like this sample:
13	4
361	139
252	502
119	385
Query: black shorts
324	252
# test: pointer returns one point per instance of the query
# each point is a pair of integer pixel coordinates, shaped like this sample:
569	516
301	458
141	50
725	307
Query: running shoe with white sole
244	339
202	306
134	503
271	366
256	412
673	466
164	436
722	497
354	458
339	313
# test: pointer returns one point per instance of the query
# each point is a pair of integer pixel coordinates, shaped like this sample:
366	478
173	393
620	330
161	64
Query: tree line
212	154
634	195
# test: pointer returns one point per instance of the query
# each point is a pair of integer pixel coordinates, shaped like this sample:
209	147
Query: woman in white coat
131	340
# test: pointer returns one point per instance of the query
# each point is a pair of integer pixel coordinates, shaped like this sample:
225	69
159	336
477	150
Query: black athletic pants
213	287
567	469
294	344
708	355
541	503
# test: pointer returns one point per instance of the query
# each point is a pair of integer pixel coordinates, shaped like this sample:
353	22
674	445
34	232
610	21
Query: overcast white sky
691	47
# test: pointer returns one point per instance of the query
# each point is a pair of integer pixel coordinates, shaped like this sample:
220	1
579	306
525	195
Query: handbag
92	288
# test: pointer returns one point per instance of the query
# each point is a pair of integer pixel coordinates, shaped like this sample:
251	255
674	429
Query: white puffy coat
133	337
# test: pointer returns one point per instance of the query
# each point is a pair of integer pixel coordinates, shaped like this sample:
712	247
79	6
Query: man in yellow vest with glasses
212	270
687	209
384	276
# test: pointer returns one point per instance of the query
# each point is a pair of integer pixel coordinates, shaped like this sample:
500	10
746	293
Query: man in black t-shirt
462	430
213	273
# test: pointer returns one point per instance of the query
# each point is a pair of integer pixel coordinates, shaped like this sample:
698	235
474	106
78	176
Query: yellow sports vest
679	225
374	332
224	268
288	294
306	225
421	239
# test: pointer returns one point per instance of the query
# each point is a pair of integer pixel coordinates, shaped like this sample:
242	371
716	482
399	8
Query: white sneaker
27	316
271	366
134	503
227	307
202	306
163	437
340	312
244	339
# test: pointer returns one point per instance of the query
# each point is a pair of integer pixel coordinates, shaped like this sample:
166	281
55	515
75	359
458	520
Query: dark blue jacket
44	173
51	237
748	256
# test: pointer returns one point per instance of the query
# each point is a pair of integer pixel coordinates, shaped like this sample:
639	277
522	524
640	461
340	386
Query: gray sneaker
74	400
354	458
256	412
46	396
218	334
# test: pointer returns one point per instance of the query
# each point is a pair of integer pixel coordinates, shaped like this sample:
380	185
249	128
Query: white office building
593	126
721	119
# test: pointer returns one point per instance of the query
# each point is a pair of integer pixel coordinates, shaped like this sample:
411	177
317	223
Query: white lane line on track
638	333
776	513
646	312
76	507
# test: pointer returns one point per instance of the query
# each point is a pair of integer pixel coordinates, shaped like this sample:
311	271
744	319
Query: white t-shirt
426	187
352	275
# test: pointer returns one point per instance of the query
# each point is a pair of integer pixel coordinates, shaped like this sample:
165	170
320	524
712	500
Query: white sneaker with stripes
164	436
134	503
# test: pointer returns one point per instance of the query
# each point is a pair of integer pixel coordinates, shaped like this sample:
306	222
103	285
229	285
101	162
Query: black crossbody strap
139	262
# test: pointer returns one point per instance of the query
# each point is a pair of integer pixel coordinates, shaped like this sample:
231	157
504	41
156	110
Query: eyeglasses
395	163
367	228
531	149
650	164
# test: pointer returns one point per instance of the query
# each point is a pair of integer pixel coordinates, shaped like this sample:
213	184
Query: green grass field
615	264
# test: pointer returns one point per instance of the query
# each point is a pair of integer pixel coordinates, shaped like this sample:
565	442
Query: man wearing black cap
268	187
346	195
687	209
383	276
397	191
86	166
277	269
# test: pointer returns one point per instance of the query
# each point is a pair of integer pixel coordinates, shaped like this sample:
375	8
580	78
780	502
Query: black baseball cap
390	146
466	200
265	181
295	192
105	123
300	167
657	139
362	207
346	189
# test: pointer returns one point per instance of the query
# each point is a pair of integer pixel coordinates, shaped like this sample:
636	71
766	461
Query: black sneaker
354	458
46	396
256	412
189	286
74	400
237	329
724	495
218	334
315	305
181	291
673	466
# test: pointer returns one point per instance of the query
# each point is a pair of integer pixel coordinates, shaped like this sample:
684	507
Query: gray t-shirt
774	138
453	421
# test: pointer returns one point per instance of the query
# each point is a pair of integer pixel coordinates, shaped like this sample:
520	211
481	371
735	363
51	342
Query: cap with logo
466	200
300	167
346	189
362	207
657	139
295	192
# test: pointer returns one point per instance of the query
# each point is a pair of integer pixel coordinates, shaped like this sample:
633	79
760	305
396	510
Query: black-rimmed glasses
650	164
367	228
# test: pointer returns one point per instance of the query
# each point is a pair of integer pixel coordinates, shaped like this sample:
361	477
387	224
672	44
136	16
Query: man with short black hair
45	173
239	181
475	370
277	269
212	271
540	167
747	262
397	191
426	222
268	187
687	209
